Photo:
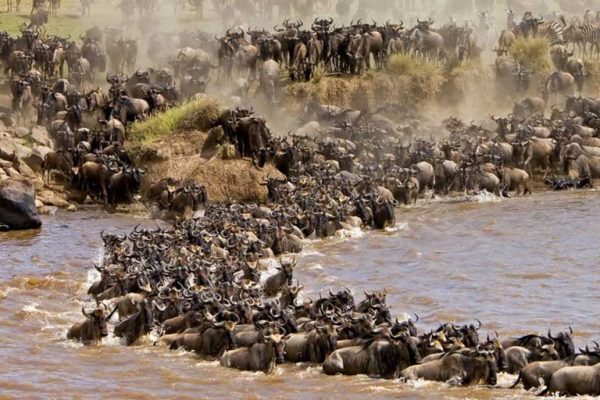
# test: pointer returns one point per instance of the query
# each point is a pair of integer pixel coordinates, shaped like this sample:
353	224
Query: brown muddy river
520	265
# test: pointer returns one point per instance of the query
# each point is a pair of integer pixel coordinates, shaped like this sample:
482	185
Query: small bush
197	114
226	151
532	53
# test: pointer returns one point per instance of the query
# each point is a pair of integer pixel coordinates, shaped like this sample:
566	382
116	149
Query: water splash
483	197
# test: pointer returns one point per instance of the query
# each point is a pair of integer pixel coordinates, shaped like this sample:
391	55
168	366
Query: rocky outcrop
17	205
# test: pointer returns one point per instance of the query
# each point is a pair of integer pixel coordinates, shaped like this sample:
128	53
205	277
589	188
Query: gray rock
13	173
17	205
42	151
35	158
21	132
25	170
6	121
40	135
10	145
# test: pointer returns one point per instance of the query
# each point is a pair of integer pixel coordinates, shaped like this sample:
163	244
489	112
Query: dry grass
404	80
470	77
197	114
533	54
225	179
225	151
592	83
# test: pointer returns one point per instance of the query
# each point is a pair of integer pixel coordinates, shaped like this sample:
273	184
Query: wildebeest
538	373
136	325
123	185
313	346
130	110
261	356
381	358
283	277
60	160
558	82
269	78
517	357
470	367
92	330
211	342
575	381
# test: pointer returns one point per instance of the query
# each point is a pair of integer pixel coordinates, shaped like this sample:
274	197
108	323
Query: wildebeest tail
514	385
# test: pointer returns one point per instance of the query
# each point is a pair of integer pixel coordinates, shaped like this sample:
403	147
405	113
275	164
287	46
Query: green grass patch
197	114
68	21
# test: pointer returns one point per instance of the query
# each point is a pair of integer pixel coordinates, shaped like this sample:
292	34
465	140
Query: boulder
52	198
13	173
35	159
17	205
11	145
40	135
20	132
25	170
6	121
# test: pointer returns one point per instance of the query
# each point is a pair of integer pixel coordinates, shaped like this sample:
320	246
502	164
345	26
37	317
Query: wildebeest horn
570	329
550	334
479	324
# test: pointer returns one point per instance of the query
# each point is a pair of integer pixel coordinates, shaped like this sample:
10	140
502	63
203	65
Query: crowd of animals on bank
389	161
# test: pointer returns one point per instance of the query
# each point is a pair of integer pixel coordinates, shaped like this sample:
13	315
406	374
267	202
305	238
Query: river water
519	265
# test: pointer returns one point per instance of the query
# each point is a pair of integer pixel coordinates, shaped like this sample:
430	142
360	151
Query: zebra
574	35
591	34
554	31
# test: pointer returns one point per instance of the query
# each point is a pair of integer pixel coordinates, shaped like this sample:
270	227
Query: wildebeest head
407	326
546	352
563	343
273	336
343	299
431	343
486	368
470	334
287	267
494	345
97	323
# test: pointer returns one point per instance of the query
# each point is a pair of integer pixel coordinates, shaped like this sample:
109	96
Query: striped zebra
591	35
554	31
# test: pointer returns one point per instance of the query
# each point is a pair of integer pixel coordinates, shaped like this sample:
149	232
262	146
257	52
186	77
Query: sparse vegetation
226	151
533	54
68	21
405	79
197	114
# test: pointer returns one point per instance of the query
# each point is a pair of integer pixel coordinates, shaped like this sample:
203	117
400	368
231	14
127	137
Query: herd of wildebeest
205	284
